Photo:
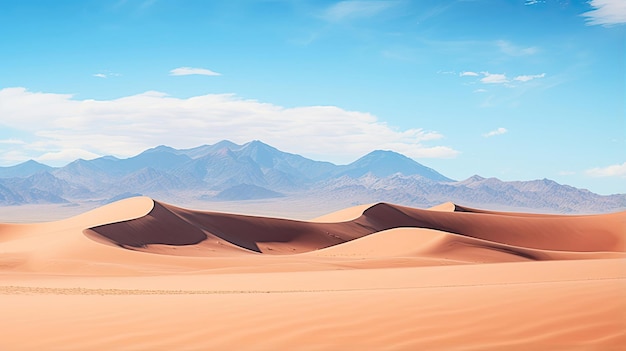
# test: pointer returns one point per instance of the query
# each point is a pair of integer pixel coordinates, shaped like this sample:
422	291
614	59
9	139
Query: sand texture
140	274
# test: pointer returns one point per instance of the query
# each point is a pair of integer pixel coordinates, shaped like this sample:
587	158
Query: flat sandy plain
145	275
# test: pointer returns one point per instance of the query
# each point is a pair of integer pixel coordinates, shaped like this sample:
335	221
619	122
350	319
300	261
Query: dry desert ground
140	274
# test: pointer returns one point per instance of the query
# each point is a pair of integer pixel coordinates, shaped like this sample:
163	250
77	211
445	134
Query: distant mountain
203	150
158	158
119	197
385	163
541	195
149	179
25	169
227	171
246	192
223	169
92	175
37	188
291	165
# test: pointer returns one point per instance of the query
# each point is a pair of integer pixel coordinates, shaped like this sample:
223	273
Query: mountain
246	192
227	171
385	163
254	163
533	194
268	157
203	150
541	195
37	188
223	169
149	180
24	169
88	174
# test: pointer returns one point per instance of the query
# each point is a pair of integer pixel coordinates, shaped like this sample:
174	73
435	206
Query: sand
140	274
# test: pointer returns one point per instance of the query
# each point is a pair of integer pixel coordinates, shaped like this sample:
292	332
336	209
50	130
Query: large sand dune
141	274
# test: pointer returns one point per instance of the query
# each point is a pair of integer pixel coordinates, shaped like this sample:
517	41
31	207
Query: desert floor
144	275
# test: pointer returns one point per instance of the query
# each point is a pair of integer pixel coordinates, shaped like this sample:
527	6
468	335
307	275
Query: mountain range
226	171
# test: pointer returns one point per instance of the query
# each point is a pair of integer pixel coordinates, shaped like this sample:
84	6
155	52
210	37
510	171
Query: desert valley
140	274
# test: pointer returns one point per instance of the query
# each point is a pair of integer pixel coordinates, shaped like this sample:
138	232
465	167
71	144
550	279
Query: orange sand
144	275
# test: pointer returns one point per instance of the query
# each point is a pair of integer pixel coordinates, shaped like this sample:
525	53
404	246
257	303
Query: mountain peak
260	152
383	163
32	162
385	153
257	144
475	178
204	150
24	169
226	144
161	148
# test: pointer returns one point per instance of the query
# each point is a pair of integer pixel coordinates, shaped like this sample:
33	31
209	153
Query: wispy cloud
514	50
468	74
60	127
501	78
356	9
12	141
526	78
606	12
618	170
187	71
495	132
480	90
534	2
493	78
66	154
106	74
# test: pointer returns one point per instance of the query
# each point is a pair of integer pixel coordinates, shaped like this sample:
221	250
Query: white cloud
609	171
492	78
500	78
12	141
498	131
514	50
186	71
468	74
106	74
62	128
606	12
13	157
356	9
65	155
480	90
526	78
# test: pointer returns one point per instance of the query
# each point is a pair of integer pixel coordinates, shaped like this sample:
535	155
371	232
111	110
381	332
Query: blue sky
517	90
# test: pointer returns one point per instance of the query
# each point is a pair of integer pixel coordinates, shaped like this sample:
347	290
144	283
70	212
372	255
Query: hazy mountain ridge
228	171
544	195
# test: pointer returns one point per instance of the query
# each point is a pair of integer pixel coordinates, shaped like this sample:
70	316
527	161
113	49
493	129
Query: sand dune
141	274
521	235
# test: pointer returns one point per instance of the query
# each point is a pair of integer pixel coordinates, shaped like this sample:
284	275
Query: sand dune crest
524	236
